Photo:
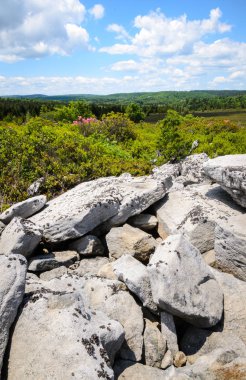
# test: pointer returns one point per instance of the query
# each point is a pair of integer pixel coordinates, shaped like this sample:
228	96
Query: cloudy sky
81	46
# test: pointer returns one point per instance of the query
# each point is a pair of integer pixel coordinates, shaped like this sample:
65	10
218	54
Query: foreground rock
52	260
229	171
12	285
154	344
20	237
168	330
145	222
183	284
131	241
24	209
58	321
230	246
88	246
126	370
192	169
112	199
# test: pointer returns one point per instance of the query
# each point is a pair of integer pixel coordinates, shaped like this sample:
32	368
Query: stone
135	275
194	212
167	361
230	172
35	186
130	241
168	330
53	273
86	206
230	246
42	263
183	284
21	236
145	222
234	303
12	286
2	226
71	343
154	344
166	170
24	209
106	271
89	266
179	359
209	258
192	168
88	245
126	370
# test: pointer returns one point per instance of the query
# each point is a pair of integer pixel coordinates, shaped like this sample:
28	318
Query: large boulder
113	199
24	209
230	172
56	337
183	284
21	236
230	246
12	285
131	241
192	169
194	212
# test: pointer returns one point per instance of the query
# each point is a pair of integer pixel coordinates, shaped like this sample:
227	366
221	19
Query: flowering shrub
84	120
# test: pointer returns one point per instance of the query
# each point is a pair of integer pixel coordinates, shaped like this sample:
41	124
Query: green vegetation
67	149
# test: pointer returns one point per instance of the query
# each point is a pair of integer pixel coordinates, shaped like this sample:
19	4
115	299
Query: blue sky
72	46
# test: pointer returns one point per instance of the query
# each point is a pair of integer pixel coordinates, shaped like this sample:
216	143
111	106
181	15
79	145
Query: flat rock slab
21	236
88	245
183	284
42	263
112	199
230	172
145	222
24	209
230	246
12	286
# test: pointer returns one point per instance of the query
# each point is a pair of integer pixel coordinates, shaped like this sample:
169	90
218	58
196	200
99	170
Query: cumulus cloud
121	33
35	28
97	11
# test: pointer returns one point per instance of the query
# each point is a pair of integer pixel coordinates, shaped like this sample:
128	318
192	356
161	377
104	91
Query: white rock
183	284
230	172
168	330
145	222
35	186
106	271
53	273
88	246
167	361
131	241
24	209
230	246
135	275
89	266
126	370
112	199
192	168
12	285
20	236
154	344
52	260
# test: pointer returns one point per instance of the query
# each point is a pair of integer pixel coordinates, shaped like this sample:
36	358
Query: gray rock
135	275
59	321
230	172
234	303
145	222
167	361
89	266
2	226
154	344
113	199
126	370
183	284
192	168
88	246
35	186
230	246
166	170
130	241
12	285
209	258
168	330
42	263
194	212
20	237
53	273
106	271
24	209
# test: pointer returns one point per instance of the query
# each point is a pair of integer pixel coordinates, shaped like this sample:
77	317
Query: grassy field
236	116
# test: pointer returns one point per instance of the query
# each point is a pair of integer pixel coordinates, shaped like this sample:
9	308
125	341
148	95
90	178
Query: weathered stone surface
2	226
71	344
24	209
89	266
106	271
113	199
12	285
166	170
230	172
20	236
154	344
126	370
130	241
209	258
167	361
35	186
135	275
88	246
192	168
179	359
145	222
234	303
230	246
168	330
194	212
52	260
183	284
53	273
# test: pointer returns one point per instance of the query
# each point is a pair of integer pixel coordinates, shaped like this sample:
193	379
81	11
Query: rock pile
111	280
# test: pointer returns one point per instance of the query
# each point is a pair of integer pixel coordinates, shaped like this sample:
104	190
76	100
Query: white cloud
35	28
97	11
121	33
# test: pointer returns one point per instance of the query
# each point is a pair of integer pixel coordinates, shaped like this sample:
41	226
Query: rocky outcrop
183	284
12	285
229	172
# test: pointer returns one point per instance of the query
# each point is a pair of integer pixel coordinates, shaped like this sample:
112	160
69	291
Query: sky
56	47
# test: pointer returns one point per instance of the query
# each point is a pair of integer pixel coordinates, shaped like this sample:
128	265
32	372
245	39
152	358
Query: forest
68	142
